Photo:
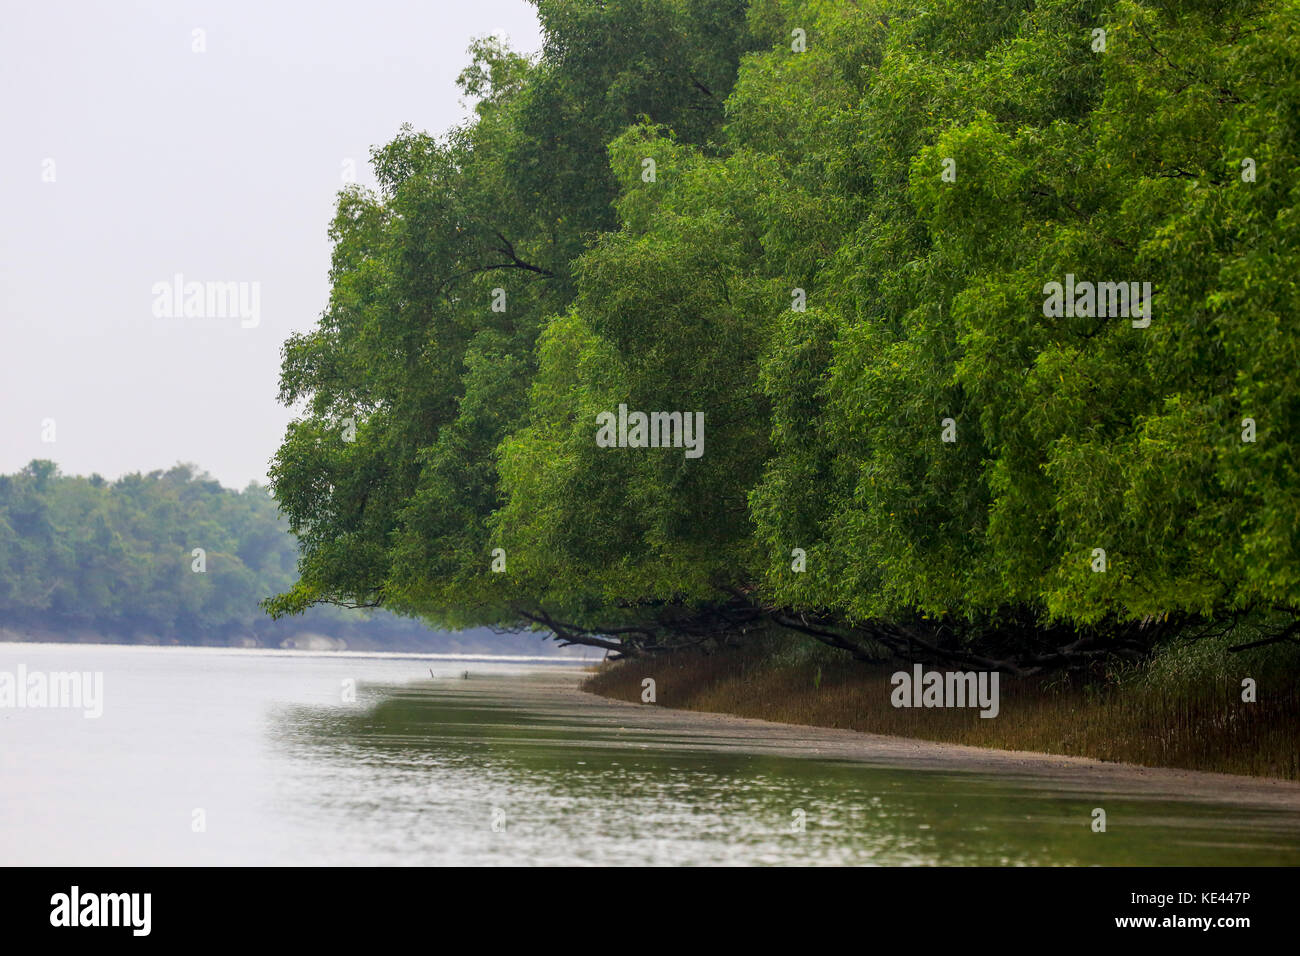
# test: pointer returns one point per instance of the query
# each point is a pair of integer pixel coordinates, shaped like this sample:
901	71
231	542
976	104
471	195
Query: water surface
497	768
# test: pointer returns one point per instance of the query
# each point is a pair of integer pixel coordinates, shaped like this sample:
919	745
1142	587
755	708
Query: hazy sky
220	166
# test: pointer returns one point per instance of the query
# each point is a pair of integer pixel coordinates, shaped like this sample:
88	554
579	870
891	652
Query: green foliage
1073	433
411	346
824	171
116	559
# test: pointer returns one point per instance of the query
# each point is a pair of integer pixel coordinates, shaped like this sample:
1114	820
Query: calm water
417	770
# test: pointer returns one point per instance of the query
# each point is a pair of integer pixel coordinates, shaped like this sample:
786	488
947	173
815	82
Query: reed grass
1184	709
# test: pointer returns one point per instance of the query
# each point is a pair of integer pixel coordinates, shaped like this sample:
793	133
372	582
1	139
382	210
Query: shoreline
302	642
1057	772
466	657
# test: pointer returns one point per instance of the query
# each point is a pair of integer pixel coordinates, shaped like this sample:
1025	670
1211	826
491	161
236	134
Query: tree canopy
170	557
832	227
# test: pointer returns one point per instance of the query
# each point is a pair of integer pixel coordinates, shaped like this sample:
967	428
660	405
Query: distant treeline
846	233
86	558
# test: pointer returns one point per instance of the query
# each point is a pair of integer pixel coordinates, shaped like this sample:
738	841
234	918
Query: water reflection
415	775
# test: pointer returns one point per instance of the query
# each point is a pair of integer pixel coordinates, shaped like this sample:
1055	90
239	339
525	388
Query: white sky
220	166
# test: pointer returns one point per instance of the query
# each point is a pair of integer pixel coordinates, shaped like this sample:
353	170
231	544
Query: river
214	757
